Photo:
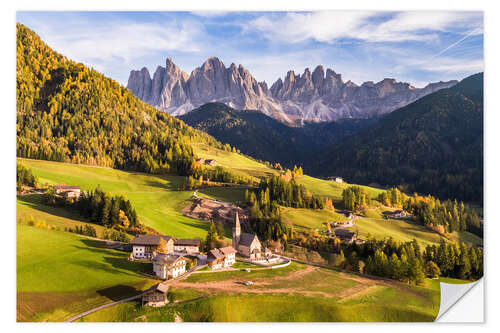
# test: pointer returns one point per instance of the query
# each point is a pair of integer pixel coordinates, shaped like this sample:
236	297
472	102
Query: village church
246	244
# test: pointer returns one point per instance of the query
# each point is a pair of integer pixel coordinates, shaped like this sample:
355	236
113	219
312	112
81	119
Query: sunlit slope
61	274
158	200
238	163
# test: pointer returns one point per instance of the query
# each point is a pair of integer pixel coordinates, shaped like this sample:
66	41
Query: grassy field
467	237
158	200
61	274
332	189
32	206
253	274
308	218
229	194
400	230
405	231
312	294
238	163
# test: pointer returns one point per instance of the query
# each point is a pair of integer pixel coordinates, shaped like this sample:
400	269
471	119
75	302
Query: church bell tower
236	231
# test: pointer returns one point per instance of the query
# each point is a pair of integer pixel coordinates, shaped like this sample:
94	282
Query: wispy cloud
329	26
210	13
126	40
415	46
451	65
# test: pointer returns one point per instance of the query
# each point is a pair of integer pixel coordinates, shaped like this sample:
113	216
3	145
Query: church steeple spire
236	231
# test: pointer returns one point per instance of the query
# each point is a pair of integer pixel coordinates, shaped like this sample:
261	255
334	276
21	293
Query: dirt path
264	285
78	316
362	290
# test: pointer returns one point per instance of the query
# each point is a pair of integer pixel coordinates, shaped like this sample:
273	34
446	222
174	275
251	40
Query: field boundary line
104	306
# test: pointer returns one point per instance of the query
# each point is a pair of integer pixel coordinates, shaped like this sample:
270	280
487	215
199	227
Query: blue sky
414	46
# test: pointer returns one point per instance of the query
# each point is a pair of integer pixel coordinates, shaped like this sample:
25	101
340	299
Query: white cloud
324	26
328	26
452	65
124	40
210	13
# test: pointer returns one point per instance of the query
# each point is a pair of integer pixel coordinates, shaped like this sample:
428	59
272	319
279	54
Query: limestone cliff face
316	96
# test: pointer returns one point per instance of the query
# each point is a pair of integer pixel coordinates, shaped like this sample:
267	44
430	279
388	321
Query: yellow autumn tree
123	219
162	246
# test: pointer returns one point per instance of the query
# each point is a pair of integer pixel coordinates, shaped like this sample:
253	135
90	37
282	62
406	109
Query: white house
229	255
169	266
190	246
220	258
145	246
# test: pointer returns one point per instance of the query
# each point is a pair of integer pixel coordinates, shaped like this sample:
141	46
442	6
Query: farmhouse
246	244
211	162
223	257
191	246
345	235
68	190
336	179
397	214
155	296
169	266
145	246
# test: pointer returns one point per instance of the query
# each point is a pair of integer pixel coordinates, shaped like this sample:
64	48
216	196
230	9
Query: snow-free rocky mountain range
317	96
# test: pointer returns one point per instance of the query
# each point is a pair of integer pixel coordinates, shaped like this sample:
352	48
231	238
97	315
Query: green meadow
405	231
316	295
273	308
157	199
242	274
309	218
229	194
240	164
32	207
332	189
60	274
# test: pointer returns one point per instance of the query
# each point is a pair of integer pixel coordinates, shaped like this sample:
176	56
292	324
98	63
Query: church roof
246	239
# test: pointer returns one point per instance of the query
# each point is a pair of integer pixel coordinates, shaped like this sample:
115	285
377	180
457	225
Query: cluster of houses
171	263
206	162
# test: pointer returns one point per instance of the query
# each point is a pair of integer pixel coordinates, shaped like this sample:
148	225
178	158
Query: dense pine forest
67	112
266	138
432	146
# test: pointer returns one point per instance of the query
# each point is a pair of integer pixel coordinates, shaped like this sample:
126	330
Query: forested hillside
266	138
434	145
67	112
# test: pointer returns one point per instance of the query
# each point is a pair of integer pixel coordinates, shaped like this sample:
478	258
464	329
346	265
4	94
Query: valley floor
61	274
296	293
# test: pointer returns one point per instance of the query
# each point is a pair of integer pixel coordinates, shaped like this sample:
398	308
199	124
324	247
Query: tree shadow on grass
134	267
35	201
199	224
118	292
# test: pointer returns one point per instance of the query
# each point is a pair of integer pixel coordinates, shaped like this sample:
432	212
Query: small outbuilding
156	296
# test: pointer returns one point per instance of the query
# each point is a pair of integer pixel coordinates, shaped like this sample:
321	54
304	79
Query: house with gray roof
146	246
169	266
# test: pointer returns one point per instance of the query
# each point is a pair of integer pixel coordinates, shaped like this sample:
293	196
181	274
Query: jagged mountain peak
320	95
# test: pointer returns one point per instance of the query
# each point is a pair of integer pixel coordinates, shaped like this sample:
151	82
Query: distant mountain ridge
317	96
